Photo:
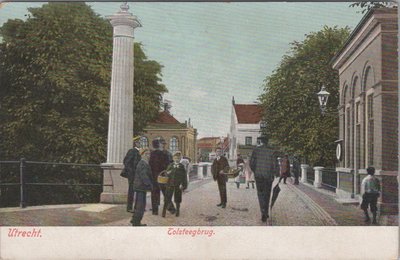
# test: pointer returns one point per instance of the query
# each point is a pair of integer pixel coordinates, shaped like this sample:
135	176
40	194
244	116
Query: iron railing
310	175
9	178
329	179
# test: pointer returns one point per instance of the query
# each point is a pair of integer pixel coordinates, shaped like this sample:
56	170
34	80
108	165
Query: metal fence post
22	182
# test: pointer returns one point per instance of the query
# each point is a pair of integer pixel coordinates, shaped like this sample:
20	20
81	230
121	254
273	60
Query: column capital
123	17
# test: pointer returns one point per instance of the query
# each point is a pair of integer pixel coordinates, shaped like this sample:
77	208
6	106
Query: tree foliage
292	113
366	6
55	73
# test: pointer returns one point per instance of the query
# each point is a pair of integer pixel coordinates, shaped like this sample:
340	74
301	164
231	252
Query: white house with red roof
244	129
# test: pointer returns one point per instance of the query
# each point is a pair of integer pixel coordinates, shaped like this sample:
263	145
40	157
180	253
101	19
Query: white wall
238	134
244	130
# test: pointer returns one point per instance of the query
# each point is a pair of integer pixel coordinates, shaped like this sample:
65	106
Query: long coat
143	179
263	162
284	168
158	162
131	161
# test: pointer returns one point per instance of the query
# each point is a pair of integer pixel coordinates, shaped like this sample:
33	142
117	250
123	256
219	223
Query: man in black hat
264	165
131	160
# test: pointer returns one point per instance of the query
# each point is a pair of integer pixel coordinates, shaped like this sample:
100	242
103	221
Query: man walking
131	160
158	162
296	170
264	165
217	167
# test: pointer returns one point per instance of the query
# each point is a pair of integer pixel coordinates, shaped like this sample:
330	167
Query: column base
115	187
113	198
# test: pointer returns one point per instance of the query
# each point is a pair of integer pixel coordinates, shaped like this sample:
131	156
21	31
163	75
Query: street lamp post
323	96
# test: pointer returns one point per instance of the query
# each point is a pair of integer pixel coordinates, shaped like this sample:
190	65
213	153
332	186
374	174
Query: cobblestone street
292	208
298	205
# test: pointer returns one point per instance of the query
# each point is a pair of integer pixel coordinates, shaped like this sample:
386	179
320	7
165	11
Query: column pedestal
318	176
115	187
304	168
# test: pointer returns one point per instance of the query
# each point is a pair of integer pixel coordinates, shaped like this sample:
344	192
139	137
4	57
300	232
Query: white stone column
200	171
318	176
209	174
304	168
120	125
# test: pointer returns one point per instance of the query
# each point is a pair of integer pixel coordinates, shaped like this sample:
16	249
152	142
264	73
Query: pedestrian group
159	172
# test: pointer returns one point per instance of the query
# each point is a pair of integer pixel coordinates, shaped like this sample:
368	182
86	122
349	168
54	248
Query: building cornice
370	22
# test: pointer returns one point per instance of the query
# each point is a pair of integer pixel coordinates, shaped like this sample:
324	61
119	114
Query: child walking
177	183
371	187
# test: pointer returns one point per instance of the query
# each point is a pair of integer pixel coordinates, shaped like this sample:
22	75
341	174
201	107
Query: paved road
293	208
296	206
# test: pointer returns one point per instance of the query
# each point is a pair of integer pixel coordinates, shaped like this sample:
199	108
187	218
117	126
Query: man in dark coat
264	165
142	183
217	167
131	160
296	170
158	163
171	206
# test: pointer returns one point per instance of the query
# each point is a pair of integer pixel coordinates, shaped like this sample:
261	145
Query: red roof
205	145
248	114
208	138
165	118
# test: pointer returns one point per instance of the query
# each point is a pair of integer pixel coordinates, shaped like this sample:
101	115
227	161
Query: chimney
167	106
233	100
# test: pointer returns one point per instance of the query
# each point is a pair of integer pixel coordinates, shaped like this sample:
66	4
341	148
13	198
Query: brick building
178	136
368	108
207	146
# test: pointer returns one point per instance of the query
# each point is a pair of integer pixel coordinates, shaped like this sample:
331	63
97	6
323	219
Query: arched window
144	142
369	117
173	145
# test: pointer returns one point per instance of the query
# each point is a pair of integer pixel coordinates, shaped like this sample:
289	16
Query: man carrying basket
177	183
217	169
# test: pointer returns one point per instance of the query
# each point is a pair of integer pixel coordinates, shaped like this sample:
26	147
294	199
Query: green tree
366	6
55	73
291	109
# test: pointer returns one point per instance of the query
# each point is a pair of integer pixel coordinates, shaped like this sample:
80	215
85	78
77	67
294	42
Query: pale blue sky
213	51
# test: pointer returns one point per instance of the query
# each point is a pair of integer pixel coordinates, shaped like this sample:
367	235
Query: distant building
206	147
244	129
368	108
178	136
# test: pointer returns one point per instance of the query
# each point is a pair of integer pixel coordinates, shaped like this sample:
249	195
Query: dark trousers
140	205
284	179
131	195
296	178
156	194
264	187
221	180
173	191
370	199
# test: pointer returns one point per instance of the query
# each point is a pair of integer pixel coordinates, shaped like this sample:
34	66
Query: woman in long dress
239	164
248	173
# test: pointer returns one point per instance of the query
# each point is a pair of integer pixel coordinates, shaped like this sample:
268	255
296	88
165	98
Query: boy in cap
370	188
131	160
141	185
177	183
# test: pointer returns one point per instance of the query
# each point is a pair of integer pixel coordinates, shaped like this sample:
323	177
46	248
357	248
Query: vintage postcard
199	130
